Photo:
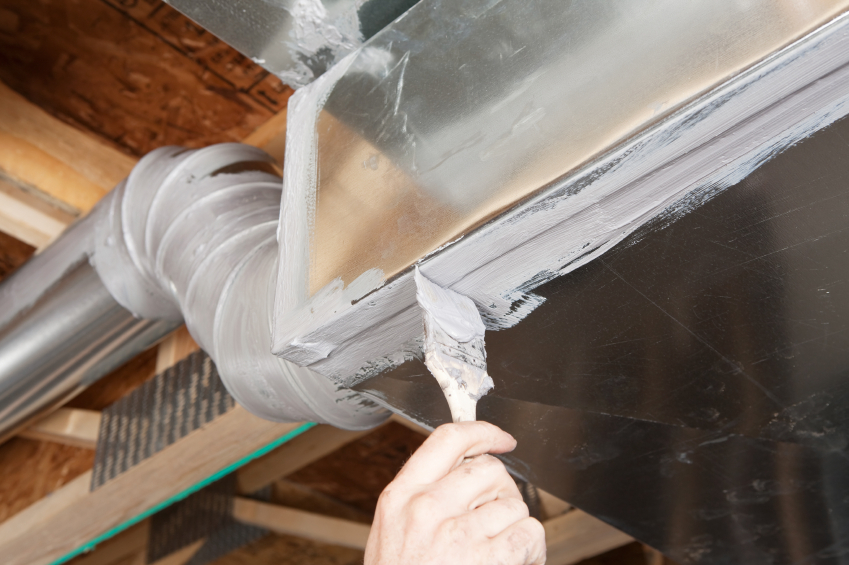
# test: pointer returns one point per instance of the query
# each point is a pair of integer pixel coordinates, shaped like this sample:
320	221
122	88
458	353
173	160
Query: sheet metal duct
691	387
602	180
431	130
190	234
297	40
461	109
61	330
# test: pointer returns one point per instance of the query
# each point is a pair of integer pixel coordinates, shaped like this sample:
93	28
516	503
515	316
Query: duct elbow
191	234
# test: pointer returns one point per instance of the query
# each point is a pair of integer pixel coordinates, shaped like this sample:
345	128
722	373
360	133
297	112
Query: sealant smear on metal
160	412
189	237
664	172
206	514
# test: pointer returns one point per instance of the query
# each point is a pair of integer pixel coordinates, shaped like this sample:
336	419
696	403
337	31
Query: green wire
180	496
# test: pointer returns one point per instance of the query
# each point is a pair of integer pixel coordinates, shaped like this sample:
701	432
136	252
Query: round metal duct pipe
190	235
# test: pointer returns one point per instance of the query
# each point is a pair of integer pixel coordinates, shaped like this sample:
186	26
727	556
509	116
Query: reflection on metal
462	108
61	330
190	234
690	386
295	39
667	169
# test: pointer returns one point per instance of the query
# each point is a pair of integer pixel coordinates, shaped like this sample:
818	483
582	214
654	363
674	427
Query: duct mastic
192	234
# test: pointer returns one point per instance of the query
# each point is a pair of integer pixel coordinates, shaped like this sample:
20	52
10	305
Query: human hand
441	510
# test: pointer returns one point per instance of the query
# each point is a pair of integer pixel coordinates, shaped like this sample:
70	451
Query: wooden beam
576	536
551	505
282	520
69	426
174	349
34	516
293	455
271	136
570	538
181	556
171	472
129	548
50	172
29	217
42	152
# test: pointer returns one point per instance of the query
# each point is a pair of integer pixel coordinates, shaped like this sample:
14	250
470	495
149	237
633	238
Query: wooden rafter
68	426
48	156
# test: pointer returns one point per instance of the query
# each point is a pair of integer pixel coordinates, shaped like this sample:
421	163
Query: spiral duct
189	235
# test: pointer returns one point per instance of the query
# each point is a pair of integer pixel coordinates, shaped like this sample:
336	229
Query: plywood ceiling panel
134	72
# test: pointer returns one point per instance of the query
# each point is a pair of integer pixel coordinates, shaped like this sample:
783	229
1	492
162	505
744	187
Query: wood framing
46	154
69	426
181	556
29	217
576	535
127	548
174	470
298	453
174	349
289	521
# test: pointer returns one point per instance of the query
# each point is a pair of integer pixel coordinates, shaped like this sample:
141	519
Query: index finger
448	445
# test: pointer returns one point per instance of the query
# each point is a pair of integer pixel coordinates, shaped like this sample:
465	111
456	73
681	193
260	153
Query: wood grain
34	469
293	456
29	218
358	472
138	74
176	468
576	535
13	254
289	521
68	426
174	349
128	547
289	550
46	155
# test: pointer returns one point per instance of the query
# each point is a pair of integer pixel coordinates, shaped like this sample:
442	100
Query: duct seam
192	234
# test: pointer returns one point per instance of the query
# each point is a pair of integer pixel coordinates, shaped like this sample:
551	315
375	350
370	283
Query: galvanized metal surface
61	330
691	386
295	39
462	108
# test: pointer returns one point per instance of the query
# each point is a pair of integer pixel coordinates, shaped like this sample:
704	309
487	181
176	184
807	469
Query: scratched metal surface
691	386
461	108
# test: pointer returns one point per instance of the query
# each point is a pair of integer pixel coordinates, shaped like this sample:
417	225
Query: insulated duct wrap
192	234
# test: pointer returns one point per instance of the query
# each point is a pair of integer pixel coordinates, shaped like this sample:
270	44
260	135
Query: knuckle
517	506
446	433
536	529
386	498
426	503
491	464
455	531
530	532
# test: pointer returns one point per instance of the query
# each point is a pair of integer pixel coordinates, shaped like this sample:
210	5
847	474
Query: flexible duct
189	235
